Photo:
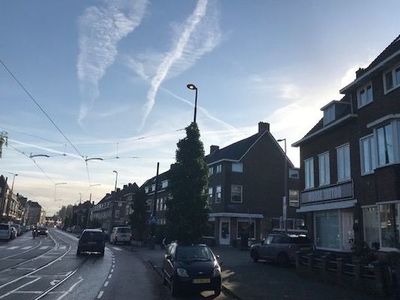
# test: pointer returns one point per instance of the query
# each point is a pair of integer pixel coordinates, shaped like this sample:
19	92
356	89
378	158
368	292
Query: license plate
205	280
304	248
92	243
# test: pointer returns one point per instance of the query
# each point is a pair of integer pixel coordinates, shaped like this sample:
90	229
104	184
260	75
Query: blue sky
112	76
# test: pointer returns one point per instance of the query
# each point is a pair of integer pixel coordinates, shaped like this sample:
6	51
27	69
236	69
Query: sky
92	87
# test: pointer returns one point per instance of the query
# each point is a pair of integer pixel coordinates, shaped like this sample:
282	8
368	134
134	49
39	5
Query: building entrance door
347	230
224	232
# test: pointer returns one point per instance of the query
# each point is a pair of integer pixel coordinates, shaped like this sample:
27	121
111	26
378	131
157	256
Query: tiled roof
234	151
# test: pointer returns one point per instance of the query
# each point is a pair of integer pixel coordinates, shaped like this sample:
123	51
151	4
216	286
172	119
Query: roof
234	151
388	56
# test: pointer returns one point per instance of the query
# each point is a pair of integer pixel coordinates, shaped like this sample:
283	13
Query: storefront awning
327	206
236	215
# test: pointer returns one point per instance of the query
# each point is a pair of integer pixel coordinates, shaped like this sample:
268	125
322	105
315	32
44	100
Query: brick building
350	162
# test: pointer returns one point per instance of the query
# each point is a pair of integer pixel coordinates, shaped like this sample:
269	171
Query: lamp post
191	86
284	202
113	202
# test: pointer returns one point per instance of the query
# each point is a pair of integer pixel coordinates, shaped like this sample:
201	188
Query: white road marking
100	295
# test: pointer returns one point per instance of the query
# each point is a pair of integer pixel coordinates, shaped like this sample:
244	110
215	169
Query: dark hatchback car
191	268
42	231
91	241
281	248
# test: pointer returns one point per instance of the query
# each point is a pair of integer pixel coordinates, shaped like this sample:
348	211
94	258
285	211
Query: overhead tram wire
38	105
24	154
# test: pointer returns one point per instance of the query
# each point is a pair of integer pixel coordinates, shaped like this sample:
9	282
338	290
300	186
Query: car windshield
201	253
124	230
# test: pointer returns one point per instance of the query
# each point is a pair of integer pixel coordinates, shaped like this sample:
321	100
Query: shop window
371	226
246	228
389	224
327	230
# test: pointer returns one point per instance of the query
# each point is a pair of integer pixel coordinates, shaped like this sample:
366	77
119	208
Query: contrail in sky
100	30
182	52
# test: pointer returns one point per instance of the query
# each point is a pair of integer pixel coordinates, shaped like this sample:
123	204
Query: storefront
229	228
332	210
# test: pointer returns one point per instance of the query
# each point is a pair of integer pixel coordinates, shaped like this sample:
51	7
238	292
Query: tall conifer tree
187	213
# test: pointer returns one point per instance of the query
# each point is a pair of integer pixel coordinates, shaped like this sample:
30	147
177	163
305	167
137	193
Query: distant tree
187	213
139	216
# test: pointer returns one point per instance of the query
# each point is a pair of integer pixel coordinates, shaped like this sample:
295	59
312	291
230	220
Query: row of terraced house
346	192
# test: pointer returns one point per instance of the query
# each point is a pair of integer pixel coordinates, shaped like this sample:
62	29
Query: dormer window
329	114
364	95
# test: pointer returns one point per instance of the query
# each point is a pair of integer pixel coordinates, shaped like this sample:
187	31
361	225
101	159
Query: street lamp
113	202
192	87
284	202
55	189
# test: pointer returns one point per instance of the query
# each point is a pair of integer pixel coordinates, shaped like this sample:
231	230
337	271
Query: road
48	268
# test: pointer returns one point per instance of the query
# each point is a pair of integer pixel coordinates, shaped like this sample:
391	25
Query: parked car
41	230
91	240
191	268
121	235
281	248
17	228
6	232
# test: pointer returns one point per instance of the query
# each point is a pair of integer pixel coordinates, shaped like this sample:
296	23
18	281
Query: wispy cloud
198	35
100	30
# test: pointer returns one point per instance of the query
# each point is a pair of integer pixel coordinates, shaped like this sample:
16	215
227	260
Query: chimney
213	148
263	126
360	72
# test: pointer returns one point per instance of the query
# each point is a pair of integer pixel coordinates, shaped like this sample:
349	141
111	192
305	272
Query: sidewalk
254	281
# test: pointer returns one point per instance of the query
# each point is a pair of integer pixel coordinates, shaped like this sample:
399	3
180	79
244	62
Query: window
323	163
219	168
309	173
385	145
210	171
329	114
210	194
367	155
237	167
381	226
391	79
164	184
246	228
218	192
343	162
293	198
236	194
365	95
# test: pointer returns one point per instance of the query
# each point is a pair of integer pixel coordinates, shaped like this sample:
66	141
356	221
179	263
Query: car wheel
254	256
283	259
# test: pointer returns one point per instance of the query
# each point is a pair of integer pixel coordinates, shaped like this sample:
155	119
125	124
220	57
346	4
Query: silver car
281	248
6	232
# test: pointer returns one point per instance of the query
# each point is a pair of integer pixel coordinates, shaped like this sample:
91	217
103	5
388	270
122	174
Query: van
121	235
